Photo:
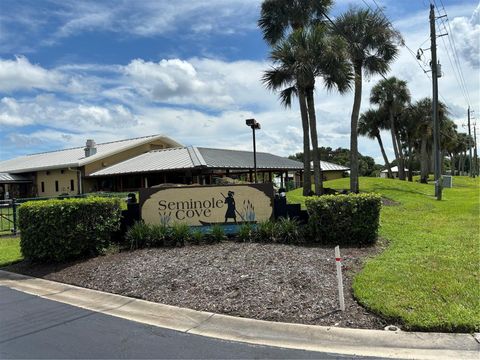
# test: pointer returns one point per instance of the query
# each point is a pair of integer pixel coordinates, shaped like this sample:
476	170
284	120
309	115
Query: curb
359	342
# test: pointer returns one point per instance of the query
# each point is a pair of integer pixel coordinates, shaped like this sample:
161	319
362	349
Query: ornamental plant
56	230
351	219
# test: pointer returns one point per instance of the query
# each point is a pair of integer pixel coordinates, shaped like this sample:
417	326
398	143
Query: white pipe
338	261
79	180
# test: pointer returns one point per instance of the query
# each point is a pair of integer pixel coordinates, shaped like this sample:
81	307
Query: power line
457	68
403	40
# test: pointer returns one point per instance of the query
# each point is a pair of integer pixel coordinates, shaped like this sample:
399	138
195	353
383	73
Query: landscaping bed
261	281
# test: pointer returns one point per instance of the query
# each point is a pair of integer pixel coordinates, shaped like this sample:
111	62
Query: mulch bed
262	281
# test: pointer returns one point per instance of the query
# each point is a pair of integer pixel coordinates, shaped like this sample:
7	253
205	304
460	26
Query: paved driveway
33	327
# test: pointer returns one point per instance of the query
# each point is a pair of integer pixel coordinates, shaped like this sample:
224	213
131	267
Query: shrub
61	229
351	219
196	237
139	235
267	231
158	235
215	235
288	231
178	236
246	233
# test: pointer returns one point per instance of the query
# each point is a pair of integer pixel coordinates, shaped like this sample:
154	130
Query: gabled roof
198	157
75	157
328	166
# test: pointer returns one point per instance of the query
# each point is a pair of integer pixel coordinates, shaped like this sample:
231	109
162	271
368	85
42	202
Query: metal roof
236	159
394	169
328	166
6	178
196	157
199	157
75	157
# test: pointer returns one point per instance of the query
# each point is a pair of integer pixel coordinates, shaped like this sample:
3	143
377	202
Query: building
128	165
384	173
67	171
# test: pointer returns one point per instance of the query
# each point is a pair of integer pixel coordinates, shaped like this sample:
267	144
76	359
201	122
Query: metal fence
9	209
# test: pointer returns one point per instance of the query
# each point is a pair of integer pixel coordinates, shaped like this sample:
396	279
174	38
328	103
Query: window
43	186
72	185
56	185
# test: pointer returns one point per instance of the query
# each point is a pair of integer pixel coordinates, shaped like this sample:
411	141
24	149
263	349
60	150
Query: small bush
196	237
267	232
246	233
179	235
288	231
351	219
139	235
158	235
215	235
55	230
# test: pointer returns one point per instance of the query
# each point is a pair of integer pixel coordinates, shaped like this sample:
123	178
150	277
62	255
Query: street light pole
254	125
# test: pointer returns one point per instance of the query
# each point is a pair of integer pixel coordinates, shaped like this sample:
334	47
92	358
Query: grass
428	277
9	250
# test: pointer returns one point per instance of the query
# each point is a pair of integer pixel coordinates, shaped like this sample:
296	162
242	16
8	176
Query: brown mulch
262	281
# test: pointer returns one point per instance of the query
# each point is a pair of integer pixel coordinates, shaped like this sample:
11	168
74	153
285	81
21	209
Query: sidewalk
378	343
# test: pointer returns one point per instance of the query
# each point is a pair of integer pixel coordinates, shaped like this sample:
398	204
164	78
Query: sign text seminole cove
207	205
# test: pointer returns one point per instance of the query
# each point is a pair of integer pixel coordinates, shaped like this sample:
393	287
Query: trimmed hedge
55	230
351	219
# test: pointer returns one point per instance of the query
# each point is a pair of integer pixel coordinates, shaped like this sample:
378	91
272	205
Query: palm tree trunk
401	159
307	178
357	101
423	161
394	142
410	163
317	176
384	154
452	163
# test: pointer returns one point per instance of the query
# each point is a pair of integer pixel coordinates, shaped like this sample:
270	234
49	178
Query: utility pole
436	123
475	168
471	167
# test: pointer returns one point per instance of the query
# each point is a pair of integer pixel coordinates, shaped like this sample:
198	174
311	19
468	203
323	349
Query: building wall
63	176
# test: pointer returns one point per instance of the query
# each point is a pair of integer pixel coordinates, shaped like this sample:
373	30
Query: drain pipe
79	179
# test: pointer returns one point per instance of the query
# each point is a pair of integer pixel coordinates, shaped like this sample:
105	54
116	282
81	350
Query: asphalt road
33	327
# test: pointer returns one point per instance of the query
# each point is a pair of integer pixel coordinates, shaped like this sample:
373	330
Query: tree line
308	49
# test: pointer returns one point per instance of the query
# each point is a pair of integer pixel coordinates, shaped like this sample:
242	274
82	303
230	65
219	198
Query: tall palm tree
372	46
307	54
278	19
393	94
369	125
424	134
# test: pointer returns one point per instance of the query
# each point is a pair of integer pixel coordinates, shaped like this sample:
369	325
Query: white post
338	261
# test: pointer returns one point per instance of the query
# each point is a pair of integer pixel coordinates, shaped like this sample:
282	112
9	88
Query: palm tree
372	46
319	54
305	55
424	132
369	125
393	94
278	19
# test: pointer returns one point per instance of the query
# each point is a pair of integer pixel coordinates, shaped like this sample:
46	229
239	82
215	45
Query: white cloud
466	36
20	74
48	110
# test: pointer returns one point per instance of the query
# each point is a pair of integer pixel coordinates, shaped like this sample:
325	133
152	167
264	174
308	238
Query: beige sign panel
207	205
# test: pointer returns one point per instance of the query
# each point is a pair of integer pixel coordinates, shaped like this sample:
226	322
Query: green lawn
429	275
9	250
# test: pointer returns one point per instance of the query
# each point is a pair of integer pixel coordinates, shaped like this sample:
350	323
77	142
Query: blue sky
107	70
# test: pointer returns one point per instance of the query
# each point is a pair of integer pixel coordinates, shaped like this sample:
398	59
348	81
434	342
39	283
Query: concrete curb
387	344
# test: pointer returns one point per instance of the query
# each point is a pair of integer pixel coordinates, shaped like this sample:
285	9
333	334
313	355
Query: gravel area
262	281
